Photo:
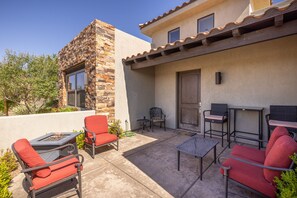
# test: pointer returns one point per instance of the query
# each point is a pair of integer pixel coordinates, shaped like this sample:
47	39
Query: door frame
178	99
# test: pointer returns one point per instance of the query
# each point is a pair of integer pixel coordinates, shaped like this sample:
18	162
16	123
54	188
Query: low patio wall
13	128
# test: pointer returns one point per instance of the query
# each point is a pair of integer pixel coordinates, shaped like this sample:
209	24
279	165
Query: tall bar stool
217	115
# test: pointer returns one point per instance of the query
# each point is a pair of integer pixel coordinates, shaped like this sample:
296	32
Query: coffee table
198	147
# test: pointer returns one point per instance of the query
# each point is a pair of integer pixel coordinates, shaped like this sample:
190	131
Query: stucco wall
225	12
13	128
135	90
256	75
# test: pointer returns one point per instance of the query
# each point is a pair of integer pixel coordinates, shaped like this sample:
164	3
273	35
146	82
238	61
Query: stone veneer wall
105	69
93	47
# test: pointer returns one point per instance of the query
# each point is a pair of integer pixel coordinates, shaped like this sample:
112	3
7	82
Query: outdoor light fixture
218	78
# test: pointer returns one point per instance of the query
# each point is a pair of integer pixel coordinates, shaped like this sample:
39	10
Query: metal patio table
236	133
198	147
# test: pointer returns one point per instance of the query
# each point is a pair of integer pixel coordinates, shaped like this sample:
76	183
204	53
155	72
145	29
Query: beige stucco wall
225	12
135	90
32	126
256	75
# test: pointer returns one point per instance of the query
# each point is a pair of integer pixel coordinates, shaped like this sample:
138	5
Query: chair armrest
55	162
93	134
205	112
226	114
250	163
59	148
267	117
225	168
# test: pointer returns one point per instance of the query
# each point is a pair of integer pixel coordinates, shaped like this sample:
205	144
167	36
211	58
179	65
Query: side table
143	122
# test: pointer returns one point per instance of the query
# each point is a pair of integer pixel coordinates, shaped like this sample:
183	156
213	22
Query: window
173	35
205	24
76	89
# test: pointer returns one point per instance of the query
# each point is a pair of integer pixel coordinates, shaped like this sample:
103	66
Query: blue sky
45	26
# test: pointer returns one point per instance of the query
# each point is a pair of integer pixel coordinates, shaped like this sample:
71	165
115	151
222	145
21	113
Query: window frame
75	87
213	21
168	34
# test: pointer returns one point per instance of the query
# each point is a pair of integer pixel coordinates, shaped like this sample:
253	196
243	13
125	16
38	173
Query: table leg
215	154
200	159
259	129
234	125
178	160
228	127
142	127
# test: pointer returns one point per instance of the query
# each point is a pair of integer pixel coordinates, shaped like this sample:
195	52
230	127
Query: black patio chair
217	115
281	115
157	116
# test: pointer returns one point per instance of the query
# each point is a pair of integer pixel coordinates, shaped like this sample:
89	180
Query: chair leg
226	186
152	126
204	128
79	182
228	137
164	125
93	151
210	129
117	144
223	134
33	195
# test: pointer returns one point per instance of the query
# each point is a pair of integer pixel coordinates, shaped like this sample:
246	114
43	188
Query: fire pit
53	140
55	137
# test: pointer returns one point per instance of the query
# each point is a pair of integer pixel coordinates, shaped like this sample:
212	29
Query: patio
146	166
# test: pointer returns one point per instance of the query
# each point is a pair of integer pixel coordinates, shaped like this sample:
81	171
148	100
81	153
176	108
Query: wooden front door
189	100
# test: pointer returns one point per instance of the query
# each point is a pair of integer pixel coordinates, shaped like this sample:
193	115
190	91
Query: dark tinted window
76	89
205	24
173	35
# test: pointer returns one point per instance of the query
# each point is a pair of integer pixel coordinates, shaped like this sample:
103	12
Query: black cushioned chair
217	115
280	115
157	116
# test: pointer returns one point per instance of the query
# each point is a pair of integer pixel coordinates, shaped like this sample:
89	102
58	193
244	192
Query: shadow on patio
146	166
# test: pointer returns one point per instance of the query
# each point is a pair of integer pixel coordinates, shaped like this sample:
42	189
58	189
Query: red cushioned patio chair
96	133
255	154
42	176
257	174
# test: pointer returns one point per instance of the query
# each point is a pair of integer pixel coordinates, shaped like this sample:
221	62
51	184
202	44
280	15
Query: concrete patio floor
146	166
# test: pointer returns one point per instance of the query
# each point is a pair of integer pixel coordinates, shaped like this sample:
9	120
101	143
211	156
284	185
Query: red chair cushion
277	132
103	138
249	153
31	157
59	172
250	176
97	124
278	156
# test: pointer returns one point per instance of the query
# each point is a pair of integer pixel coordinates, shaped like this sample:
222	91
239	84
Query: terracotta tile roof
166	14
219	31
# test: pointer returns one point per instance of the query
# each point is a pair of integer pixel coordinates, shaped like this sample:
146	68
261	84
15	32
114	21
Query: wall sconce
218	78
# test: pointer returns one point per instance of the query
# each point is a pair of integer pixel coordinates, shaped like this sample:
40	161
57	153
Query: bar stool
217	115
